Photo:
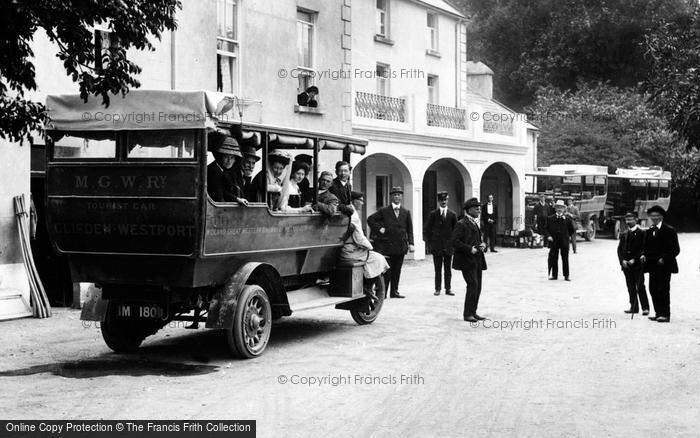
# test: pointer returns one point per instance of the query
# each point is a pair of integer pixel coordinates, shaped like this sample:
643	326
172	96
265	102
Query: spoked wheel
252	323
590	230
125	335
374	301
618	230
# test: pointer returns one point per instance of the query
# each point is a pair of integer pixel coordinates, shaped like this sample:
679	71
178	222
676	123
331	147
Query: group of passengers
285	183
288	190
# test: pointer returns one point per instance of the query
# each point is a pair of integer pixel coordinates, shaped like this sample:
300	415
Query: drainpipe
173	60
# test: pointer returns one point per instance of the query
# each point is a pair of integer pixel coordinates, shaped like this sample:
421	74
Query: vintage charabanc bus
635	190
127	203
586	185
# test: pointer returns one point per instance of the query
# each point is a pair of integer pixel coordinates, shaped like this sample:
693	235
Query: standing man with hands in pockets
392	229
469	256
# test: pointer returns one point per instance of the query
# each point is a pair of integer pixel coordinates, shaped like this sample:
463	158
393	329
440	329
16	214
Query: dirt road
555	359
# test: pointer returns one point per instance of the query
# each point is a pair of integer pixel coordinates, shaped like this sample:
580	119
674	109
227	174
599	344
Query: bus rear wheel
374	289
125	335
590	230
252	323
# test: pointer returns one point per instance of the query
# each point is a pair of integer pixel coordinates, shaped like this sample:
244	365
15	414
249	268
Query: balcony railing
446	116
375	106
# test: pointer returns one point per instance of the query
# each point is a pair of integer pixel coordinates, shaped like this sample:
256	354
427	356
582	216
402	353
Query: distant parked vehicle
635	189
585	184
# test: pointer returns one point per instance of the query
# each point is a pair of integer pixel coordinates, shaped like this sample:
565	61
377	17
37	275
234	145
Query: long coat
631	245
662	244
438	232
485	216
398	233
466	236
560	230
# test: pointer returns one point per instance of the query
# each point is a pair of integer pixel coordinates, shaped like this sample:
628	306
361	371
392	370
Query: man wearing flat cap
469	256
437	233
392	228
629	253
659	258
560	227
221	184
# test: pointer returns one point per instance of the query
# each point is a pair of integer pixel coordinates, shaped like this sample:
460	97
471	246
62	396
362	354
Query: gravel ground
554	359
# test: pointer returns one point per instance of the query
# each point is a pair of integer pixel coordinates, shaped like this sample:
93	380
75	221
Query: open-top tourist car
127	203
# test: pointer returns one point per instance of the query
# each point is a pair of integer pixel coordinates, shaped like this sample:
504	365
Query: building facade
393	71
429	115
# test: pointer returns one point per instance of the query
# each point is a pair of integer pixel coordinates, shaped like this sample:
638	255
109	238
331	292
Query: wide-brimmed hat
277	156
396	189
249	151
300	165
631	215
442	195
473	202
304	158
229	147
657	209
560	203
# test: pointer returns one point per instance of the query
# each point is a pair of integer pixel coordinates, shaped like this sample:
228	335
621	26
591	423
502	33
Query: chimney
480	79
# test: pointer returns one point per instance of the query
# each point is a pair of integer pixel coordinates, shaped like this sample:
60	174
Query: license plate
144	311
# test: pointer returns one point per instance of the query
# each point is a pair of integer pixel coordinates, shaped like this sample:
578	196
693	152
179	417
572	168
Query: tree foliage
605	125
68	24
562	43
673	52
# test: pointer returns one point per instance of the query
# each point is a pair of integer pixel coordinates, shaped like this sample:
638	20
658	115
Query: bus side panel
123	209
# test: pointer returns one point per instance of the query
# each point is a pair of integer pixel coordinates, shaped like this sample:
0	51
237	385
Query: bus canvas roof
654	172
140	110
570	170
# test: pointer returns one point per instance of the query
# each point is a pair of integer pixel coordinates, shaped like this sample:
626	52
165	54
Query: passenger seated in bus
243	173
341	186
305	184
221	184
326	202
270	182
292	199
356	246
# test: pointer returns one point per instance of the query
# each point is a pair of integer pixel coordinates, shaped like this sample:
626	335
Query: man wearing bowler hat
437	233
469	256
629	253
560	227
393	230
659	258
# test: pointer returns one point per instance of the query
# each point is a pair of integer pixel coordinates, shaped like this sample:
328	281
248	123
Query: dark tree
68	24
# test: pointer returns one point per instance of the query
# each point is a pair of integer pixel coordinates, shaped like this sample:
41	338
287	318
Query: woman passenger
293	198
271	182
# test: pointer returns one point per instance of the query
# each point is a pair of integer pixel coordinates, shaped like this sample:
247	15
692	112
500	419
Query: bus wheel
125	335
252	323
375	300
617	230
590	230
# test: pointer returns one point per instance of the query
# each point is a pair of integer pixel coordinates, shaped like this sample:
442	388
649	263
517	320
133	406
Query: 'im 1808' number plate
147	311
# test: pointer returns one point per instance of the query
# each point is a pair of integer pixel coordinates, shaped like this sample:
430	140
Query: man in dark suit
489	215
469	256
629	252
243	173
559	230
437	233
540	213
659	257
393	230
221	181
342	188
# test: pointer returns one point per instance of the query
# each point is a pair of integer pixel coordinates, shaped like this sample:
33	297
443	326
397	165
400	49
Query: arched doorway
501	181
375	175
446	174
